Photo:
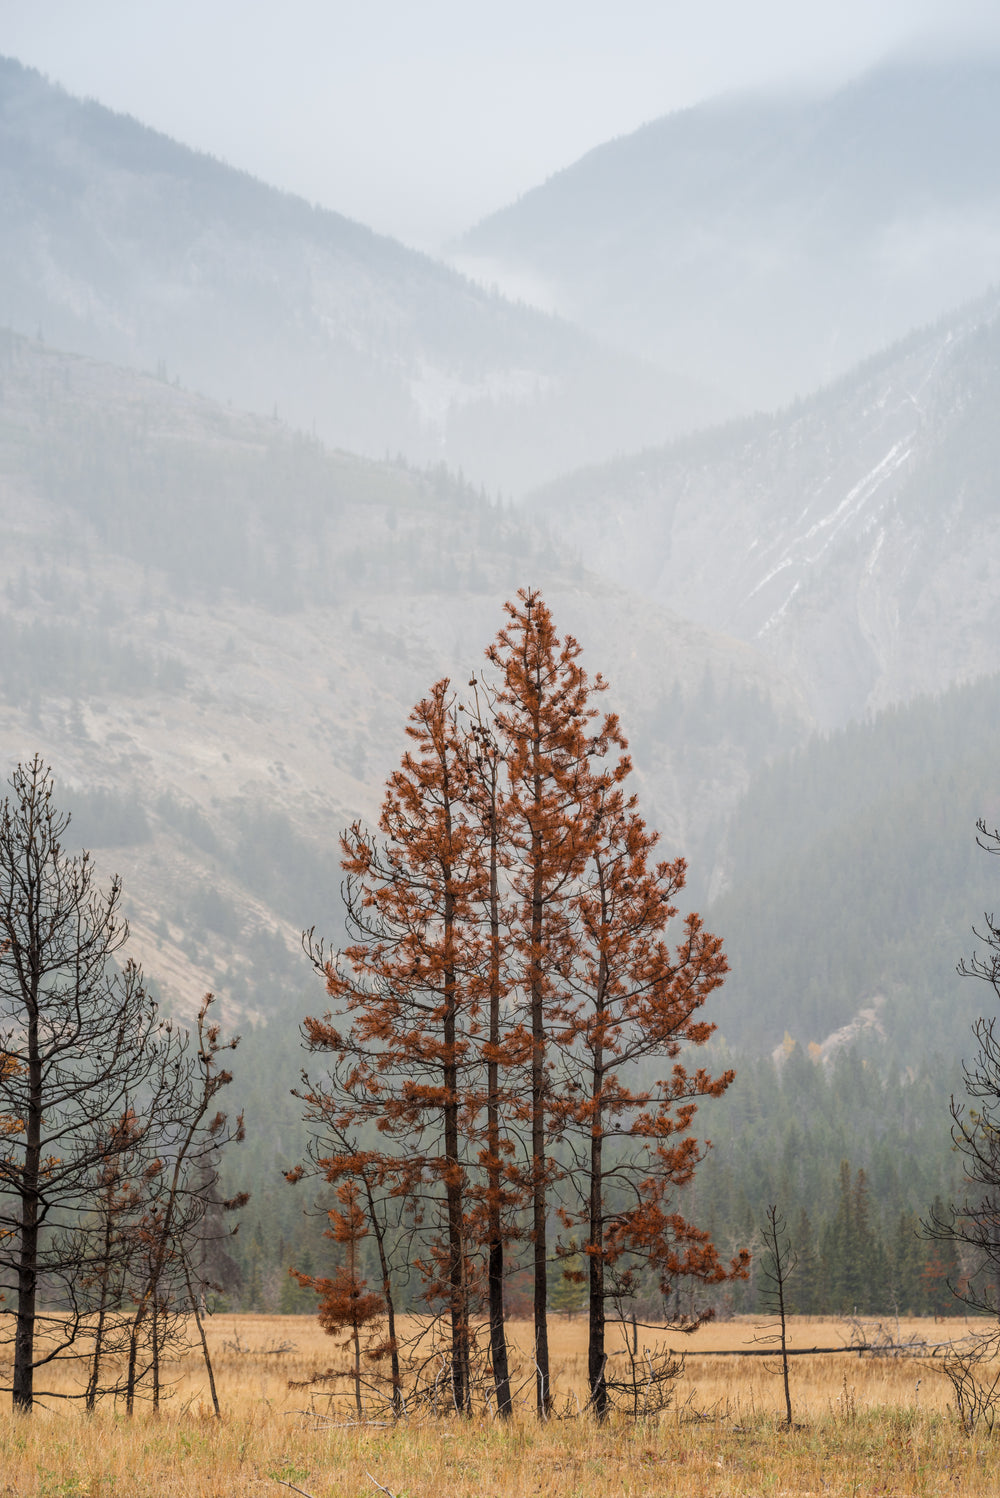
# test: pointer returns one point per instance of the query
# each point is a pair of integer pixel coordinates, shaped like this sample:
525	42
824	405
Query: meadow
863	1425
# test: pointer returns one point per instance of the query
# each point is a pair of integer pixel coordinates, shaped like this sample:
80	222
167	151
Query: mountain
119	243
767	243
214	629
214	626
852	537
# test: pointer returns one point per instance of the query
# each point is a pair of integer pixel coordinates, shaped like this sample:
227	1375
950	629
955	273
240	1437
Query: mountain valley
217	610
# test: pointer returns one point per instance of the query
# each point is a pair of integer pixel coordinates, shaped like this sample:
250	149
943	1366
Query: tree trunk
109	1233
24	1336
95	1367
539	1224
456	1252
204	1340
378	1228
27	1267
352	1271
460	1362
133	1358
156	1356
596	1356
494	1165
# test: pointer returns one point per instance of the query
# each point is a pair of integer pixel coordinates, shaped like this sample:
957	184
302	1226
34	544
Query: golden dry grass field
864	1426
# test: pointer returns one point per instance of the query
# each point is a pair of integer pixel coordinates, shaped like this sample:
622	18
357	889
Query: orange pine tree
546	729
380	1187
411	983
346	1303
634	999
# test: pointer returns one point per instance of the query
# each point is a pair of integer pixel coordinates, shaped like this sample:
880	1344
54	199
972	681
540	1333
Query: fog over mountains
219	598
766	244
117	242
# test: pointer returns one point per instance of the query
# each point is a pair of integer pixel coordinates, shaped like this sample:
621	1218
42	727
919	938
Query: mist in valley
311	356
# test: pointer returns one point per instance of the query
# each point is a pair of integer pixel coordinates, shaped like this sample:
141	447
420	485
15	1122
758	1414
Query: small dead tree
646	1389
973	1369
380	1190
123	1181
973	1225
173	1227
777	1266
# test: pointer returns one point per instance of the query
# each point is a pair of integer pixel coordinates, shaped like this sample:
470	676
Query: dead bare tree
973	1225
973	1369
645	1388
173	1228
81	1049
118	1211
777	1265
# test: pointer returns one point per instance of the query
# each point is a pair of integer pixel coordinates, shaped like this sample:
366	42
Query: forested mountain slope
117	242
215	630
853	882
769	242
853	537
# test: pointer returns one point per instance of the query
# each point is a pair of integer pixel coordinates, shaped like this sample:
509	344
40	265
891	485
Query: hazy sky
420	116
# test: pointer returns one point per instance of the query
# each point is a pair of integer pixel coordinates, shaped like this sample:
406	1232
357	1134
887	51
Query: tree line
848	1263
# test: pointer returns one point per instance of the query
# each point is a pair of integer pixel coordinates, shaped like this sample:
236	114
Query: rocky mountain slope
853	537
214	629
119	243
768	243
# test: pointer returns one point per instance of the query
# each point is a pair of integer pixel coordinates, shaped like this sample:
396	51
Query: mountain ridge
124	245
780	237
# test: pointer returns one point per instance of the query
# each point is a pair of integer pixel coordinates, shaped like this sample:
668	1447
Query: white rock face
853	538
